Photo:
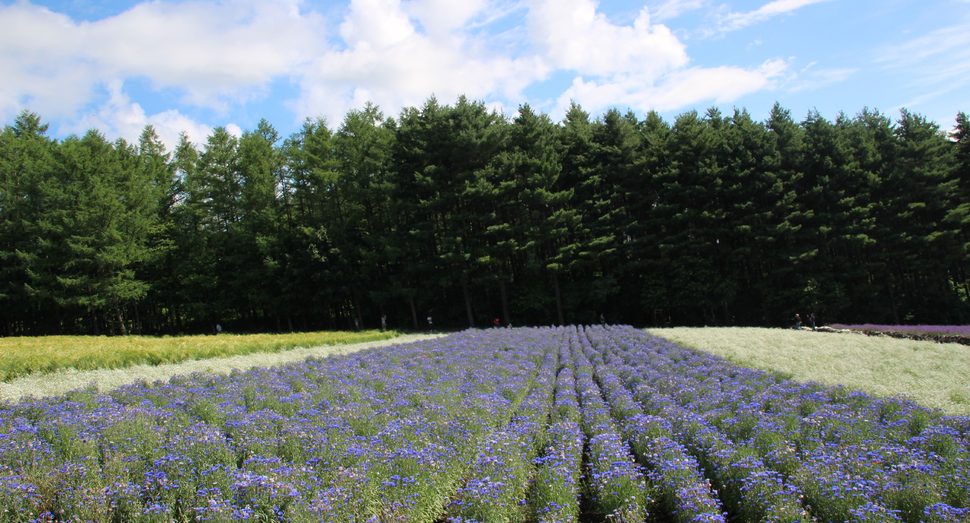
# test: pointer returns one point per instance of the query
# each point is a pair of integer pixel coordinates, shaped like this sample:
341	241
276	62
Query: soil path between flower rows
62	381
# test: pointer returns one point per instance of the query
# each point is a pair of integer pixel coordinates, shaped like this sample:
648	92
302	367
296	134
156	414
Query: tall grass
933	374
22	356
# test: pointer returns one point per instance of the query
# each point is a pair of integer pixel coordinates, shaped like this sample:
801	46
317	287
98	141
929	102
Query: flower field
954	330
503	425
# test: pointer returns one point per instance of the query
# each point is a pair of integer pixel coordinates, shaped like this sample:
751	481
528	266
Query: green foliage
458	213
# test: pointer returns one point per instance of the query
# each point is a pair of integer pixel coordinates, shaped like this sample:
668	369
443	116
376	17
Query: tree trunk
555	286
414	312
503	292
138	328
358	318
121	321
892	302
468	304
60	321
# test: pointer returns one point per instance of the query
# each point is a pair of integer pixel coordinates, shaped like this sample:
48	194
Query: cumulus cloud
220	56
44	73
120	117
441	18
642	66
573	35
389	62
376	25
216	54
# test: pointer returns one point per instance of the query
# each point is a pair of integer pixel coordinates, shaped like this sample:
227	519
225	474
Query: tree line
464	215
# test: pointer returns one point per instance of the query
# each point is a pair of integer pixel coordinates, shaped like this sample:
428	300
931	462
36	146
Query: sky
192	65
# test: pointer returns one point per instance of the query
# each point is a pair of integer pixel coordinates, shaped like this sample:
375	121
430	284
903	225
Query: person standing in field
811	319
798	321
383	322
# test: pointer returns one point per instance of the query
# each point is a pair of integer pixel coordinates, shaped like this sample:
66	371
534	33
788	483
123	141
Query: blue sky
192	65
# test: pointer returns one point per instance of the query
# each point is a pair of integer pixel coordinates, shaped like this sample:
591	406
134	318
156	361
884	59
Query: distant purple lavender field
953	330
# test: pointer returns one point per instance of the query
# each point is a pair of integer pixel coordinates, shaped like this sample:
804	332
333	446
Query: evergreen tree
576	257
692	208
156	165
460	213
109	215
310	169
645	272
614	184
757	203
212	228
258	248
363	146
26	277
919	192
185	281
526	218
959	215
440	155
782	285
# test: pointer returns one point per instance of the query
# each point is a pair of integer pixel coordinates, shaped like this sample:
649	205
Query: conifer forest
460	215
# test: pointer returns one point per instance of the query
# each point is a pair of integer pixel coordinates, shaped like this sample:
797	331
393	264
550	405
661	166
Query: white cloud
215	53
120	117
734	21
440	18
400	66
573	35
933	70
395	53
811	79
680	89
642	66
674	8
38	60
376	24
940	56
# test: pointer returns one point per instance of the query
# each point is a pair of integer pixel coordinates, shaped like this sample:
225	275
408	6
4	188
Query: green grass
933	374
22	356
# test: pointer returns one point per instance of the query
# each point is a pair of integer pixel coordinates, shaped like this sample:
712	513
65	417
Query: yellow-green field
933	374
23	356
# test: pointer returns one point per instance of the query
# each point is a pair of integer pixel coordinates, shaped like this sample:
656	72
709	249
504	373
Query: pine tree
363	146
308	176
213	211
919	192
26	277
692	208
440	155
526	217
111	212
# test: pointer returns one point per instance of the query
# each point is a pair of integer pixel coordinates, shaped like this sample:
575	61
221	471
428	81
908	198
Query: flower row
548	425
